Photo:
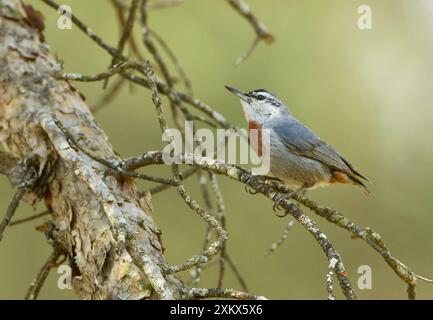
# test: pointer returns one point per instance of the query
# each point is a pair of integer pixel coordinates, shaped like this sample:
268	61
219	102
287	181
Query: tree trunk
99	220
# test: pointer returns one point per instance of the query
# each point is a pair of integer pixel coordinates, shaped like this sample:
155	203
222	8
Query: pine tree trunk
99	220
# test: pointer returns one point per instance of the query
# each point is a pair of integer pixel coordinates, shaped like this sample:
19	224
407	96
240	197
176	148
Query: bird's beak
238	93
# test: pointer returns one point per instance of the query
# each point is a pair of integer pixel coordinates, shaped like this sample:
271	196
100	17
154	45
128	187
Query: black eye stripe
263	95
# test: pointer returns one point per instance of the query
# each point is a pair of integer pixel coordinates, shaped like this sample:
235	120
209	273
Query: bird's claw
249	184
278	199
249	188
254	179
277	202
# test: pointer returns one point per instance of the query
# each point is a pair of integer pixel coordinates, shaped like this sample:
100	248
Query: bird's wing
302	141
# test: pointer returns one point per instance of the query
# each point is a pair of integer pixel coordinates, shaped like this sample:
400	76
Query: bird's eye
261	97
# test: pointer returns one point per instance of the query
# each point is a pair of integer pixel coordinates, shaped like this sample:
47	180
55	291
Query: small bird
298	157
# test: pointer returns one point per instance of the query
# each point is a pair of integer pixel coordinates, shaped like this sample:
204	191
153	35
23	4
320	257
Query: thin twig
122	23
221	217
244	10
25	186
260	29
216	246
154	5
122	66
31	218
126	33
280	241
163	4
111	165
175	102
38	282
148	42
202	180
248	52
88	31
236	272
162	187
170	53
213	249
195	103
109	96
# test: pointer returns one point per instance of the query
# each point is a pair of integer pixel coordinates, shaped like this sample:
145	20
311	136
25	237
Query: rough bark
100	221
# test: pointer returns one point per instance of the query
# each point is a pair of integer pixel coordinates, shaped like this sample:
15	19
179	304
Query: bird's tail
360	184
343	177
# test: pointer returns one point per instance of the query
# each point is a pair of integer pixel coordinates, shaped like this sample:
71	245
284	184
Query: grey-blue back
299	157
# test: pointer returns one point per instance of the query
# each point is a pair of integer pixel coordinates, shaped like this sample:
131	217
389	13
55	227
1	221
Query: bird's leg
248	183
280	198
254	179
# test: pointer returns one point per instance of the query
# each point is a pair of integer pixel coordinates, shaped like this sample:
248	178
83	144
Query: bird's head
260	105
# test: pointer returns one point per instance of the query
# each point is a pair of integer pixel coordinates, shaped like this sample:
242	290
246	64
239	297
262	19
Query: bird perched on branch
297	155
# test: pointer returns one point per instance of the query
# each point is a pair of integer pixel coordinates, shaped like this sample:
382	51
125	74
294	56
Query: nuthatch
297	156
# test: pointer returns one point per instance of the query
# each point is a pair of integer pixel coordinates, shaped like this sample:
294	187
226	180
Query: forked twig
259	27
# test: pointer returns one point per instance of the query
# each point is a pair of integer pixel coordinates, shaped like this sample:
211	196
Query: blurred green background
367	93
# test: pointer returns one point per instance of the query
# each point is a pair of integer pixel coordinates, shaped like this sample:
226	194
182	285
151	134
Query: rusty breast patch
255	137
